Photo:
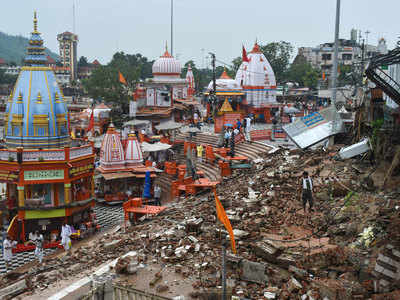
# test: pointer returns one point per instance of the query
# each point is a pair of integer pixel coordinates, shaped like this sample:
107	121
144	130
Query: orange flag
121	78
224	220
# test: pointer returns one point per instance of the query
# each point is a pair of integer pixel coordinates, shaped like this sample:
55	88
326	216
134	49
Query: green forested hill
13	48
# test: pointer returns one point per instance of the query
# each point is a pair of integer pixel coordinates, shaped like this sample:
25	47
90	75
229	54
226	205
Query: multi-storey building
350	52
68	43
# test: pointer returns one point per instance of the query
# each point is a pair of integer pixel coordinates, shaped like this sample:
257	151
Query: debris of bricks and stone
348	248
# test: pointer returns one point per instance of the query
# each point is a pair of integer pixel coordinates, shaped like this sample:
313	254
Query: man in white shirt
8	244
307	191
247	128
157	194
65	236
39	246
227	136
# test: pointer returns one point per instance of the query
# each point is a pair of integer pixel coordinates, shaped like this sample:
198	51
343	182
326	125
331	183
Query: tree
6	78
278	54
303	73
236	63
104	83
83	62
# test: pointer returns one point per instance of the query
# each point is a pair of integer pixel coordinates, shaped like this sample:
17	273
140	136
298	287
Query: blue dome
36	114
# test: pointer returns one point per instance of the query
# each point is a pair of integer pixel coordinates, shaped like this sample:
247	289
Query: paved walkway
107	217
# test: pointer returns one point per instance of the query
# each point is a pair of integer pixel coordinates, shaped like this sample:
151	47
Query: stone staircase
211	170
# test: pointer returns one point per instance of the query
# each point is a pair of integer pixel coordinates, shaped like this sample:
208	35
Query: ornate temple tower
257	78
36	115
48	179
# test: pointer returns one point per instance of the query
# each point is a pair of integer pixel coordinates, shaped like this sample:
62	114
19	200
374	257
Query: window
347	56
326	56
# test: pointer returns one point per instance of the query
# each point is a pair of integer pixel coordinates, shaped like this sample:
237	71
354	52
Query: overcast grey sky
220	26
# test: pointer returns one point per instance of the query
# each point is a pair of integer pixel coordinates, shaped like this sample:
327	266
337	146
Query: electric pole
336	54
213	70
214	91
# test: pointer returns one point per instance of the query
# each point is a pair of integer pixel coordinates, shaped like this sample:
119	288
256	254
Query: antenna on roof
172	27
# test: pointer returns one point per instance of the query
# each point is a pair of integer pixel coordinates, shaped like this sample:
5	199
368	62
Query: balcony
29	155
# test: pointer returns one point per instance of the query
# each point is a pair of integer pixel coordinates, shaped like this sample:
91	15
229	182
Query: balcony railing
30	155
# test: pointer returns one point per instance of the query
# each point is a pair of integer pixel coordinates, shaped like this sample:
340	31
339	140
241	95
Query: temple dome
36	115
167	65
225	82
257	78
133	151
112	156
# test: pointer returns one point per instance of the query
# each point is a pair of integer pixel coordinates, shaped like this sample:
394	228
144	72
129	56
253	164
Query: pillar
21	195
92	186
67	193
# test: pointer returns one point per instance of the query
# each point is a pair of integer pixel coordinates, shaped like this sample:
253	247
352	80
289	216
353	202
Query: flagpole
223	271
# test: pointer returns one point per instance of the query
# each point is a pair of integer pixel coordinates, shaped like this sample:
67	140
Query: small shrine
121	171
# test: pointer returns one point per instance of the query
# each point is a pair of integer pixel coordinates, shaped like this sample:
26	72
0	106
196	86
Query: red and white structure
133	152
166	82
166	65
257	79
190	81
112	155
225	84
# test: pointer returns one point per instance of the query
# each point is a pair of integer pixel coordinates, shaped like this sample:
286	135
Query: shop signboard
35	175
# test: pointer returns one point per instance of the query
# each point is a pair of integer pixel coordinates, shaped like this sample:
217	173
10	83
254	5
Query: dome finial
35	21
166	46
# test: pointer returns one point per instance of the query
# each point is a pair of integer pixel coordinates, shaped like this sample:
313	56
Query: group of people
239	127
36	238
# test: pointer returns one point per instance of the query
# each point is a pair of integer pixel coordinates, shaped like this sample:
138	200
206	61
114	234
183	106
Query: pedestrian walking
8	245
247	128
307	191
227	135
200	149
157	194
66	236
39	246
238	124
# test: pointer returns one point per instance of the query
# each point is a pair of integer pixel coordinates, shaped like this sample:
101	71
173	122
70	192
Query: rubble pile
348	248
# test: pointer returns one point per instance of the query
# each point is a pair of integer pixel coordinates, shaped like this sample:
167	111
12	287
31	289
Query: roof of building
36	112
2	61
257	77
166	65
112	156
133	151
225	83
96	62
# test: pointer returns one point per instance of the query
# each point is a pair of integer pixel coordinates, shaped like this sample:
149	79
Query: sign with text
43	175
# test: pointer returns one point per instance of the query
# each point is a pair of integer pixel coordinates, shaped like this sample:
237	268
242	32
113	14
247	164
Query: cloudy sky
220	26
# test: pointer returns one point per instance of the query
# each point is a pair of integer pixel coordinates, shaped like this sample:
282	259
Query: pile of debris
349	248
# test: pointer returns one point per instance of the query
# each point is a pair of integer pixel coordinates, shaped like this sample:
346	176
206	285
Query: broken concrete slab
252	271
14	289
